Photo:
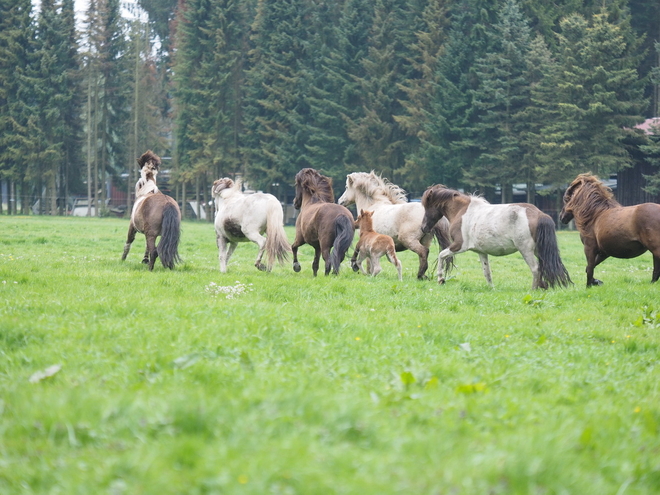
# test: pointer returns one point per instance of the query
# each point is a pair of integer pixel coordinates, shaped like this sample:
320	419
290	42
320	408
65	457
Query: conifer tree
16	34
276	110
598	94
503	93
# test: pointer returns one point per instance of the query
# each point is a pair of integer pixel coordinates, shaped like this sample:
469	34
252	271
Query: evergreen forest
485	95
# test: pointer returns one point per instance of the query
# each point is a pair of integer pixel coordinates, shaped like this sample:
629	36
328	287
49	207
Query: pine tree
16	34
276	110
499	101
598	94
448	145
420	91
380	142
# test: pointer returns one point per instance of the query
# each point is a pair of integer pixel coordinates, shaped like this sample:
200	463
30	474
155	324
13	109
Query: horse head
364	221
220	185
435	200
317	188
349	193
586	196
151	159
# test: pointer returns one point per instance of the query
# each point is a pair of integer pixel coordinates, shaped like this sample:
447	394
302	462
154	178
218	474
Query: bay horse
374	246
497	230
321	223
609	229
393	215
154	214
244	217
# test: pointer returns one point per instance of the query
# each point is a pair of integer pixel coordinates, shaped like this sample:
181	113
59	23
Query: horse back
628	231
317	220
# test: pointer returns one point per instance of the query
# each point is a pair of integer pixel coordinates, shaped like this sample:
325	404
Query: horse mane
149	156
588	198
438	194
318	186
375	187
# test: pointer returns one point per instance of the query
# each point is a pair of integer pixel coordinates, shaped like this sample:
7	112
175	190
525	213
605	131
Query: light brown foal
374	246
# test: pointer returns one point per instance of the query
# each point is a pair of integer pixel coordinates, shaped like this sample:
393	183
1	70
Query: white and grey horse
244	217
498	230
393	215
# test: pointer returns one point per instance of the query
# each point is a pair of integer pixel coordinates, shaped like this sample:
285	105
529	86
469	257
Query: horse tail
551	267
344	233
277	244
441	232
168	247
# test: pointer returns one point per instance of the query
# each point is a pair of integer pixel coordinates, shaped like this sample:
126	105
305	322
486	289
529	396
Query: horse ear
349	180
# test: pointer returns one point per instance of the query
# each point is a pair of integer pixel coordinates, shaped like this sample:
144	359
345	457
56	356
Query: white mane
378	189
146	184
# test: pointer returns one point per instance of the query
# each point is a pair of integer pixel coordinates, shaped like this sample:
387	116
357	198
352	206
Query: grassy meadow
121	381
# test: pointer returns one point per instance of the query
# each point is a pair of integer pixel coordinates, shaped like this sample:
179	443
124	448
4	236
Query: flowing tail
551	267
168	247
344	232
441	232
277	244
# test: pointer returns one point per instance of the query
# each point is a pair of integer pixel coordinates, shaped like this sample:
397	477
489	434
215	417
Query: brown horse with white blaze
154	214
374	246
322	223
609	229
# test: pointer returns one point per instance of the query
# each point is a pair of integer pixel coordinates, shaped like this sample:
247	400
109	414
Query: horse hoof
595	282
441	281
261	267
355	267
145	261
296	267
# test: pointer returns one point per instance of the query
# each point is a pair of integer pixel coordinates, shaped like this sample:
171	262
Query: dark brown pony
609	229
322	223
154	214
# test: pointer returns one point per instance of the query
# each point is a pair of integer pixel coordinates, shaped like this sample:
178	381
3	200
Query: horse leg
325	252
656	267
260	241
375	265
153	252
485	266
395	261
445	253
423	253
299	241
221	241
533	264
129	240
354	264
315	262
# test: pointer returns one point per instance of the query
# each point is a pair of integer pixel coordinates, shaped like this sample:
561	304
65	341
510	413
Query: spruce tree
16	34
598	94
501	97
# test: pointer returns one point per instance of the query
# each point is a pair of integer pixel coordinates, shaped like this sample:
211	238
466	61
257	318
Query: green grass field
195	382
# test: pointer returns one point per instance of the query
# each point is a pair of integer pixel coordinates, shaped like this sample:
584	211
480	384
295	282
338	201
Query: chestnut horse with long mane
609	229
322	223
497	230
154	214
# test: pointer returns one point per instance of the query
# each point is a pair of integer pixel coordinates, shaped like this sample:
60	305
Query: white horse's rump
393	215
246	217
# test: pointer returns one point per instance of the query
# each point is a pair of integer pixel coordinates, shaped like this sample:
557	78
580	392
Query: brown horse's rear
157	215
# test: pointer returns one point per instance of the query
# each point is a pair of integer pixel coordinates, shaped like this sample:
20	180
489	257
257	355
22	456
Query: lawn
114	379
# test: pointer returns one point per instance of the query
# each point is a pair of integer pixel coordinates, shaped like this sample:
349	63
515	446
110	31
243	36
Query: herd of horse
389	223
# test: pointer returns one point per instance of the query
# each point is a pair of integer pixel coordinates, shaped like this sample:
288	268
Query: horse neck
366	225
364	202
459	205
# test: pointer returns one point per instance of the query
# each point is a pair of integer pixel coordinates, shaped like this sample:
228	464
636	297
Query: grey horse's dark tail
344	232
553	271
168	247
